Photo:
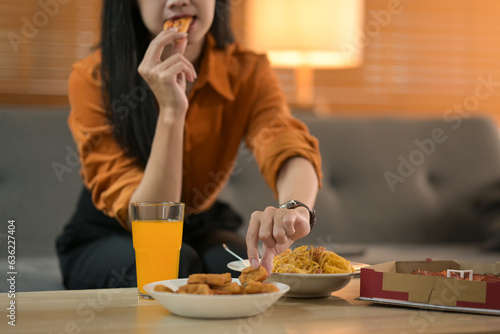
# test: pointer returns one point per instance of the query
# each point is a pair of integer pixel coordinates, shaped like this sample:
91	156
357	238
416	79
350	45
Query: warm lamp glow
313	33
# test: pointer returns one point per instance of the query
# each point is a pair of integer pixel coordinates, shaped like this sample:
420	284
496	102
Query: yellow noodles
310	260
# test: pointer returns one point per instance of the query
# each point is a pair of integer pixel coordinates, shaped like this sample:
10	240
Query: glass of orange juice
157	238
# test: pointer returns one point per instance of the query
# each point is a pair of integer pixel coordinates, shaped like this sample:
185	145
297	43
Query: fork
236	255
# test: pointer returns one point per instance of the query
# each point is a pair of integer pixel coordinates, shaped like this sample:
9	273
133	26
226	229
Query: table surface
120	311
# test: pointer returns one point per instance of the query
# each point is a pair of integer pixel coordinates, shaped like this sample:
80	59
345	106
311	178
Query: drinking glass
157	239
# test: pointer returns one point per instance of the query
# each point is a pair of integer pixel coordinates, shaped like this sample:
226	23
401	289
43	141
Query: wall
424	58
39	40
421	57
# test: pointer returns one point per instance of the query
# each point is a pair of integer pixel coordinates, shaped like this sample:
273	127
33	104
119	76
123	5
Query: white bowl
308	285
213	306
312	285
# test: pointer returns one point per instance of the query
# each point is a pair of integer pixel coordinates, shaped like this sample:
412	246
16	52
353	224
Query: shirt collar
214	69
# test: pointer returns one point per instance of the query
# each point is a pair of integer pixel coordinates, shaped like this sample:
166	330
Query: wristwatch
292	204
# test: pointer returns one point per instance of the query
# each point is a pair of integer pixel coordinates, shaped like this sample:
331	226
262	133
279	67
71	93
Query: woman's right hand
167	78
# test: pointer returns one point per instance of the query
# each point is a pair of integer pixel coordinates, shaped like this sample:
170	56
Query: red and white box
393	283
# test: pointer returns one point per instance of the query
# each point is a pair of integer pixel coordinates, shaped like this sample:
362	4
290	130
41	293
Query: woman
156	115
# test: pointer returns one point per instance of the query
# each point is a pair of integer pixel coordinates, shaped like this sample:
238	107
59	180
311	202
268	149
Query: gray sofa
386	181
391	179
39	185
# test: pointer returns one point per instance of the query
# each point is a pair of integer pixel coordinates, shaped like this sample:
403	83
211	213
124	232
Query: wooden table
120	311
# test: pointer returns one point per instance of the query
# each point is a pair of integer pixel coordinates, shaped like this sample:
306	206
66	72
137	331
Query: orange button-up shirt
236	97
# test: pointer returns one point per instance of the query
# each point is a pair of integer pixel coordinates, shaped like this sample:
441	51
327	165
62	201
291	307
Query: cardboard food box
393	283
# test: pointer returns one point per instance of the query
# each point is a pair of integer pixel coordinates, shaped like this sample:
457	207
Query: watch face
291	204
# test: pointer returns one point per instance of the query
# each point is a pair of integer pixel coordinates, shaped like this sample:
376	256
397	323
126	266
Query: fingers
187	67
173	74
181	80
267	260
267	228
283	227
169	71
179	46
297	223
252	240
277	228
158	44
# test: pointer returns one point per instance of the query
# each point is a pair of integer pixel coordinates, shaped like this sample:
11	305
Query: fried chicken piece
196	289
181	24
249	274
268	287
218	279
197	279
229	289
211	279
258	287
162	288
253	287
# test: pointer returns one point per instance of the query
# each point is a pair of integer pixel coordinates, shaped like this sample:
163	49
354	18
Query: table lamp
306	35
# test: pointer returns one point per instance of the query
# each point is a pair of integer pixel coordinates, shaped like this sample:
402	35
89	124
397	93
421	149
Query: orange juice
157	245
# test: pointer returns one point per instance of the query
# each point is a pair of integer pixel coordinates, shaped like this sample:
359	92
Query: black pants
95	251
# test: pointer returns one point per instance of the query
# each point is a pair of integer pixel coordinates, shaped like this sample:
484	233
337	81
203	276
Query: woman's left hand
278	229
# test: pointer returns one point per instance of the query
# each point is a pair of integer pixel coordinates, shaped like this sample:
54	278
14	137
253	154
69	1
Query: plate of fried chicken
218	295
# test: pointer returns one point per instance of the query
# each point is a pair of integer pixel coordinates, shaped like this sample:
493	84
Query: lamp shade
315	33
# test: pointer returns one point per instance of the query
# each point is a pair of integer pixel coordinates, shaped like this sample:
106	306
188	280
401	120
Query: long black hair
131	106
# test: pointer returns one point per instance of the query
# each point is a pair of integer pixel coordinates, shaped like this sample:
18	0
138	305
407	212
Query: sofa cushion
39	185
39	176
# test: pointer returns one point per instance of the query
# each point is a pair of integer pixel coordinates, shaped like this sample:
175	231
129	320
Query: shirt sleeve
107	172
274	135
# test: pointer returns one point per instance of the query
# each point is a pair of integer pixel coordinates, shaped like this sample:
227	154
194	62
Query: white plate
308	285
219	306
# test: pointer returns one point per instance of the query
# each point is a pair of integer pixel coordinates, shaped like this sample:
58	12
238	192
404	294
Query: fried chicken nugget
196	289
249	274
162	288
257	287
211	279
229	289
268	287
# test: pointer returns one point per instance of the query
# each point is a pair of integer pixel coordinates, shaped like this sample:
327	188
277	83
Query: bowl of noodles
312	272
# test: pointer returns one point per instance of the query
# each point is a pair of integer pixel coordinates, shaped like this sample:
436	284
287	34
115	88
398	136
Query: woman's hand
278	229
167	78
